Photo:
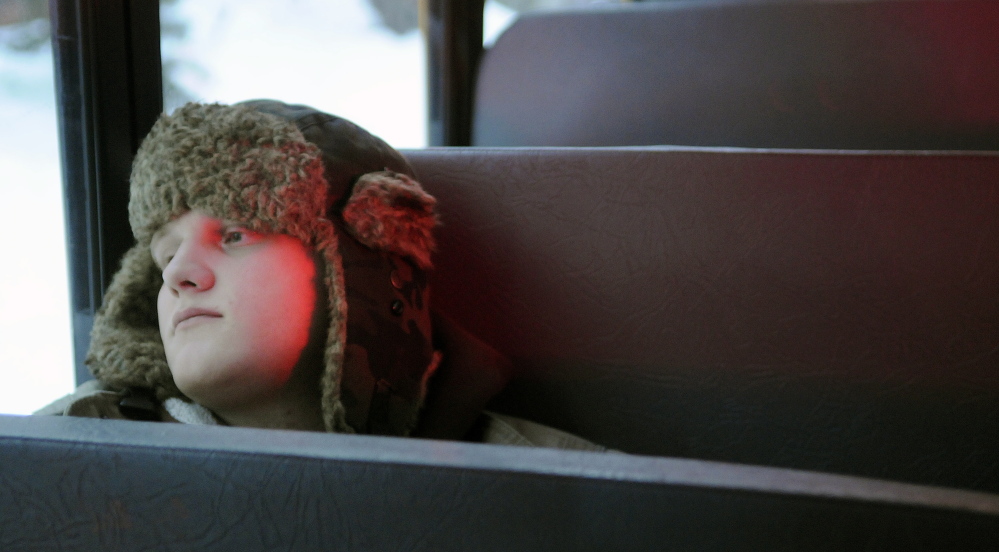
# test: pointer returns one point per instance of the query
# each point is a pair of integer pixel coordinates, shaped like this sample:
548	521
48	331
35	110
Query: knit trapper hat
322	179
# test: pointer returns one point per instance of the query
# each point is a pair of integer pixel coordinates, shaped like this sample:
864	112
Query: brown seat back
910	74
829	311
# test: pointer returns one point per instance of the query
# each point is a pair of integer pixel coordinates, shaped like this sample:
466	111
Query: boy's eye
238	236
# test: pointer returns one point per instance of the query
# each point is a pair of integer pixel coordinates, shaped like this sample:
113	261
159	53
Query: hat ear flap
125	345
390	211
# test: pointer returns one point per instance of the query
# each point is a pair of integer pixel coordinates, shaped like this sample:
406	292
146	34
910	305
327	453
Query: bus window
354	58
36	361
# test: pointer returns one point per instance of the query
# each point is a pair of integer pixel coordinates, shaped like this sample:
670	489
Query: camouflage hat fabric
317	177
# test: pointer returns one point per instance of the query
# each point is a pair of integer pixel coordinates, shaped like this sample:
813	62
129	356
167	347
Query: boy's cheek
164	311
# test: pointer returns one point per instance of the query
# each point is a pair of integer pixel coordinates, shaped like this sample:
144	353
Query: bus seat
788	313
862	74
832	311
89	484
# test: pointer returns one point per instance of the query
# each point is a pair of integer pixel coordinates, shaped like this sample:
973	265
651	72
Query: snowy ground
330	54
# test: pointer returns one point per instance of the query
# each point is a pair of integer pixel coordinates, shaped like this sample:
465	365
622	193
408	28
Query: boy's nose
188	270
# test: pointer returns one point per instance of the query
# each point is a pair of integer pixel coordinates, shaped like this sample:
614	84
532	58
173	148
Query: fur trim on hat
391	212
125	345
230	162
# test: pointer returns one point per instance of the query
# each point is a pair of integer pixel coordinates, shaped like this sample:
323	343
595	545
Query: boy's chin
221	389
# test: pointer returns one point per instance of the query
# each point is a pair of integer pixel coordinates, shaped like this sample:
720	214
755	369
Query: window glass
360	59
36	361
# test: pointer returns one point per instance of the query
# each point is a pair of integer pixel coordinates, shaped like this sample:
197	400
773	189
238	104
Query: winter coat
95	400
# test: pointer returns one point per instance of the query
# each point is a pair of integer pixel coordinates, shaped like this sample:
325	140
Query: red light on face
235	310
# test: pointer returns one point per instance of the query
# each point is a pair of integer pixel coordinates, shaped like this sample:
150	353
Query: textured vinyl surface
829	311
887	74
90	484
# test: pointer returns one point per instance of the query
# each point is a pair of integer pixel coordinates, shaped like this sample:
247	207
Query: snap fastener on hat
397	307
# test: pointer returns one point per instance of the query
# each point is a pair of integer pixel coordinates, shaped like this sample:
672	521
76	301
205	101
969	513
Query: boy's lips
187	314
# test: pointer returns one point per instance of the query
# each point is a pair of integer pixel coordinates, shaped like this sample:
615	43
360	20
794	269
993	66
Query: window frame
109	92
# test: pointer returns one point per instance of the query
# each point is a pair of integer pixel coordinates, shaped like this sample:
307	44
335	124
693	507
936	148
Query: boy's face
235	310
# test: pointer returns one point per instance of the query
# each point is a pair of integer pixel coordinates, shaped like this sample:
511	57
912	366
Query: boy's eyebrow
227	223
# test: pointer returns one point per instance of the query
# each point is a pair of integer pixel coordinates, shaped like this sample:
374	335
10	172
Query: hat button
397	307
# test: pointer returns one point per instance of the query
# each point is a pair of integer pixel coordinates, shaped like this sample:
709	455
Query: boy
279	280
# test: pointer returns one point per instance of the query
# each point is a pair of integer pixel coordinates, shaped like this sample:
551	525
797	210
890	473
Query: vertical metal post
454	46
109	92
